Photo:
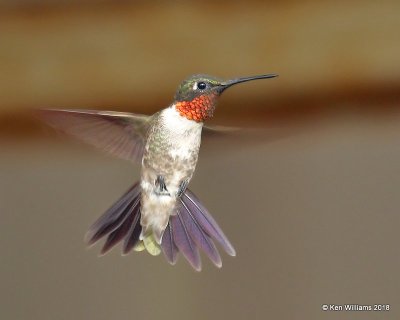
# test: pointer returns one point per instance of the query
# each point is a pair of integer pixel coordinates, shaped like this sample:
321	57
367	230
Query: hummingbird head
197	95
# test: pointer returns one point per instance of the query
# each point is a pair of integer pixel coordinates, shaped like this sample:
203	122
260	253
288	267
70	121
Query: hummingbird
158	213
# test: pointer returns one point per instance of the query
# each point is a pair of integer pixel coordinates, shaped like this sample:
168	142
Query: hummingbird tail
191	228
121	221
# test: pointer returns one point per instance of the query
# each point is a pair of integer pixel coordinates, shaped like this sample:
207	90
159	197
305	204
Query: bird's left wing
119	133
235	138
210	131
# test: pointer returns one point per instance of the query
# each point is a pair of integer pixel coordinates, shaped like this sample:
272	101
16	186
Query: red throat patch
198	109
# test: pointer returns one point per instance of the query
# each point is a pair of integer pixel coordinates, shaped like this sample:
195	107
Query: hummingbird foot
182	187
161	187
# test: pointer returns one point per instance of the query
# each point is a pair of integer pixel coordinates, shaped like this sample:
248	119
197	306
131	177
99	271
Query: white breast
184	134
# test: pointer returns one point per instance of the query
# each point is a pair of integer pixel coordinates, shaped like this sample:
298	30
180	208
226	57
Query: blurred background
314	214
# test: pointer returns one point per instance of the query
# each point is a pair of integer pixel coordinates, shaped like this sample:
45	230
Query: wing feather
119	133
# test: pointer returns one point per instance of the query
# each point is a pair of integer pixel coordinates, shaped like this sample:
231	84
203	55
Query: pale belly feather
171	152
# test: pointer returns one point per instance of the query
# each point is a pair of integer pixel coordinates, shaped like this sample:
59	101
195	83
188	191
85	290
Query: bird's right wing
231	139
219	131
119	133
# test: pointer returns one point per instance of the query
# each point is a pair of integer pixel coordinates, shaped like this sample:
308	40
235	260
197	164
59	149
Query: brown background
314	215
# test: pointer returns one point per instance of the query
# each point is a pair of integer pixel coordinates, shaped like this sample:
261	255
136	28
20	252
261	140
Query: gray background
314	218
312	207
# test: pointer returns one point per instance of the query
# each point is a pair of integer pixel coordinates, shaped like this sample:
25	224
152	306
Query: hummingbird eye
201	85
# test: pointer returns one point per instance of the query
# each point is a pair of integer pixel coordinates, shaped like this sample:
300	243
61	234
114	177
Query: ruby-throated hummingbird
158	213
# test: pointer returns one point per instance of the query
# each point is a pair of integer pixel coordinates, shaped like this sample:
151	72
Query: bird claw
161	186
182	187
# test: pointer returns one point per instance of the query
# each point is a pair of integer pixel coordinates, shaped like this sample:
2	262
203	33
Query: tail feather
184	242
118	234
133	234
168	245
113	217
207	222
190	229
198	235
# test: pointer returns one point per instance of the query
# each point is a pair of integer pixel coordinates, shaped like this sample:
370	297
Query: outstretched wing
219	131
119	133
231	139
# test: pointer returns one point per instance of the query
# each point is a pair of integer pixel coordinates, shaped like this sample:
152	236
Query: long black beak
226	84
